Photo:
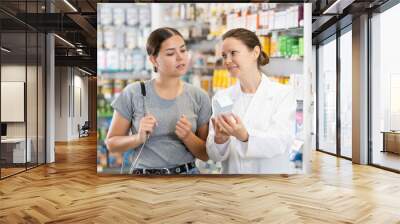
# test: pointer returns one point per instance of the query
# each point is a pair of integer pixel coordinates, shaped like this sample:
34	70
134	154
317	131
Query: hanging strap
143	88
134	163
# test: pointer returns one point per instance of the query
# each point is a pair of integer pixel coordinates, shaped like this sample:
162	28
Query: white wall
82	83
61	103
13	73
70	83
81	94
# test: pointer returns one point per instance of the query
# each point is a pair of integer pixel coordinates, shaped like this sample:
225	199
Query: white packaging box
251	22
118	16
112	61
132	16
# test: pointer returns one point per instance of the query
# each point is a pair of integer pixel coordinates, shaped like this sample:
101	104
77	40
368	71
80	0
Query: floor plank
70	191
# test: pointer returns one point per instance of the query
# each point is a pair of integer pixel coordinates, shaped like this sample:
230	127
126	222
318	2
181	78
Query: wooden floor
70	191
10	171
5	172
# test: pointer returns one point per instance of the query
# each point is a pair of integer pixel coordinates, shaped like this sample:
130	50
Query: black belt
159	171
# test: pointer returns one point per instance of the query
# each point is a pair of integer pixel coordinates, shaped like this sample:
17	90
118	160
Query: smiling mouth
233	67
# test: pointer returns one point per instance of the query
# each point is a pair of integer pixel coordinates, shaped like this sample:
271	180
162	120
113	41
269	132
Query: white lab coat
270	123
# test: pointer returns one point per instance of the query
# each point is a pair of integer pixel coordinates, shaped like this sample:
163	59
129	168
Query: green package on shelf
282	45
301	46
98	136
102	134
289	44
105	115
295	47
294	42
295	50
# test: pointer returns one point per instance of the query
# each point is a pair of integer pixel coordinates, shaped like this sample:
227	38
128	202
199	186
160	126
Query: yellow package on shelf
215	80
206	83
274	45
226	80
281	79
266	43
222	79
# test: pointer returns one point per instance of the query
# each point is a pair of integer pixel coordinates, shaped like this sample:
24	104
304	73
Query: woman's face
172	59
237	56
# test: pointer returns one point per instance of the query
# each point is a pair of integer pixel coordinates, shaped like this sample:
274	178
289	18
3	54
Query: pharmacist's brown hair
249	39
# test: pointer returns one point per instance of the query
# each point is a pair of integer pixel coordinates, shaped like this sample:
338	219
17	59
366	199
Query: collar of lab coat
262	100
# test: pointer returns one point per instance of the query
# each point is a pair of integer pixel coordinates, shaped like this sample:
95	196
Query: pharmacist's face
173	57
237	56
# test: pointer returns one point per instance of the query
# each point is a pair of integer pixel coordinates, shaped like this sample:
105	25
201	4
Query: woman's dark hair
157	37
249	39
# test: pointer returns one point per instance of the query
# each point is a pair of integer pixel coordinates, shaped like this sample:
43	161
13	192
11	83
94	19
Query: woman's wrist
244	136
188	137
137	140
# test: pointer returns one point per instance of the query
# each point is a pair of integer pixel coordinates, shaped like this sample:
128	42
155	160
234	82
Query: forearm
197	146
122	143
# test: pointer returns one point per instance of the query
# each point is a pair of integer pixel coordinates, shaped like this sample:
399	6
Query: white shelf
124	75
283	66
292	31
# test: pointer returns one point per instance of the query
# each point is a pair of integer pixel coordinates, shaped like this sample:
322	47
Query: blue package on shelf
112	160
127	156
103	149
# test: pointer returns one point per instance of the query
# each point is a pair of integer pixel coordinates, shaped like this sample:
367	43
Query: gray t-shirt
163	149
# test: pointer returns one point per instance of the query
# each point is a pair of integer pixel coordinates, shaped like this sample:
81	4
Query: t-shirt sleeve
124	104
205	109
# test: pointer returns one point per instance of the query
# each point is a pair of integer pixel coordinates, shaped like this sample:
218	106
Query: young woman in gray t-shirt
169	125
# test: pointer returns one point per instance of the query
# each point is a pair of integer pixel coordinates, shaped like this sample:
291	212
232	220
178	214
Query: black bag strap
143	88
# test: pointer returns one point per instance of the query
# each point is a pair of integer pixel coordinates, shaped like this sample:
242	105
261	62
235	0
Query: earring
155	69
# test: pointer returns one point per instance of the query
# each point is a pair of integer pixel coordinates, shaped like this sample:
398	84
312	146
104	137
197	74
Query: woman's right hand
146	127
220	136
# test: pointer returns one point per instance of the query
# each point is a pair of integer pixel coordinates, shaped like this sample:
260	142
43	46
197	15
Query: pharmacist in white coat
253	122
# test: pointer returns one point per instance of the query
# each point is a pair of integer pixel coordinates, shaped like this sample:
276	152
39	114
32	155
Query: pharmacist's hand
146	127
183	128
233	126
220	135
